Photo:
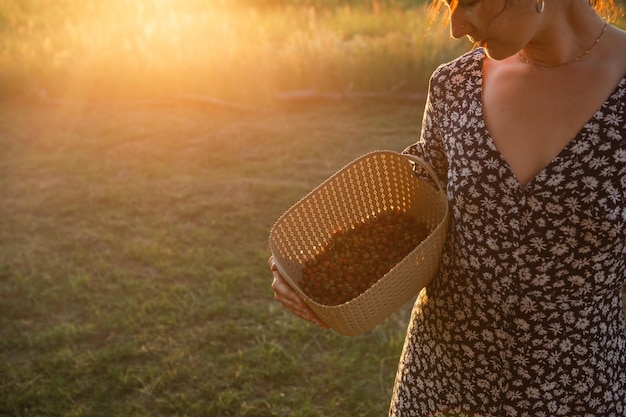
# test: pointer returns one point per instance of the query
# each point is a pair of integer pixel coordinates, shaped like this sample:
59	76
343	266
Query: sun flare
234	49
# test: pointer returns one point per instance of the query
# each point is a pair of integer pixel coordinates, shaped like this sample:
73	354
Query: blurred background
241	50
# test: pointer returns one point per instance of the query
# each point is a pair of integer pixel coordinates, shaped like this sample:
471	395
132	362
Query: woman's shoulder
615	47
460	71
622	49
614	56
466	61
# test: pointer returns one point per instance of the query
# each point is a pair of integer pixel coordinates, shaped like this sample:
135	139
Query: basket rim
411	158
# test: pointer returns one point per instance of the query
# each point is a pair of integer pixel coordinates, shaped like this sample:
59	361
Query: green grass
133	262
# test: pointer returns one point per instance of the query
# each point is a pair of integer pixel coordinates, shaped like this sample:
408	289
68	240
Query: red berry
355	258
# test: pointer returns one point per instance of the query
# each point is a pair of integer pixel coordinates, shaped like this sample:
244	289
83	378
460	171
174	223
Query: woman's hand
290	299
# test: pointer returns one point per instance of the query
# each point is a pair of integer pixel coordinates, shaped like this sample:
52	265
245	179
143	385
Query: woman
529	131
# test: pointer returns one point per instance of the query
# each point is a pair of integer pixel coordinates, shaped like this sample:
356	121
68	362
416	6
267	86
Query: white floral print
525	316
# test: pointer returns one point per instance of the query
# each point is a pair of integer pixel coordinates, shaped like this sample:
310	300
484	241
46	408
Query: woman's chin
497	55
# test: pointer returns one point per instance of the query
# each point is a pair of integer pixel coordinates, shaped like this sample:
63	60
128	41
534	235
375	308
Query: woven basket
373	183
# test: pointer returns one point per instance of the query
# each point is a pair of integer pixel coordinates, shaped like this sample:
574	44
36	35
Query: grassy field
240	50
133	262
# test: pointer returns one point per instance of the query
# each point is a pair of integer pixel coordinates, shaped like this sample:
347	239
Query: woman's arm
430	145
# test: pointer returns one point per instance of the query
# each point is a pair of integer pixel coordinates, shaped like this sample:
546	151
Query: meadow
134	225
243	51
133	262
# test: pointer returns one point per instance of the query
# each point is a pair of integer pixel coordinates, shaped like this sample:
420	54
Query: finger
284	292
308	315
293	302
288	303
302	313
271	263
286	295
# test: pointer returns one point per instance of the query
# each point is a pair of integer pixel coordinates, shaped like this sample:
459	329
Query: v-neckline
559	156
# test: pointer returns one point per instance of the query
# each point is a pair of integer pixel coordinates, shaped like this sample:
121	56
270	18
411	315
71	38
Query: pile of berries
354	259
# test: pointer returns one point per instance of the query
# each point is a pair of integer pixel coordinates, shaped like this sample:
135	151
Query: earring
539	5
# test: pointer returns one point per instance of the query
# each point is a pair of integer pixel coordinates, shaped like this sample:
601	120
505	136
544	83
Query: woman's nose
459	26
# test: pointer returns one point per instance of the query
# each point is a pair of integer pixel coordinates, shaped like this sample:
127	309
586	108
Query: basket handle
433	175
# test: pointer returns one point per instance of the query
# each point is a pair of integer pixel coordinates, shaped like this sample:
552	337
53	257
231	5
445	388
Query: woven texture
372	184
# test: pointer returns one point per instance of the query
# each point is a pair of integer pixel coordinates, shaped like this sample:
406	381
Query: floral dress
525	315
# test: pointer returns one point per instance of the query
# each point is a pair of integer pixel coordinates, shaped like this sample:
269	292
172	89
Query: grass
133	262
239	50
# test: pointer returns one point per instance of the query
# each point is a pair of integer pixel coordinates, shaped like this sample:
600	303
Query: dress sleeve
430	145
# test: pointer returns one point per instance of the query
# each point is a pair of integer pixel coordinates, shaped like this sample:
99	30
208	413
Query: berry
354	259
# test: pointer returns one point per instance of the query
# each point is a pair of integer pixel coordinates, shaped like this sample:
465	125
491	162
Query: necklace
584	53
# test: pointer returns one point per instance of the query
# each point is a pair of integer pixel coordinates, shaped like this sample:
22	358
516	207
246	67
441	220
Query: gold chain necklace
586	52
